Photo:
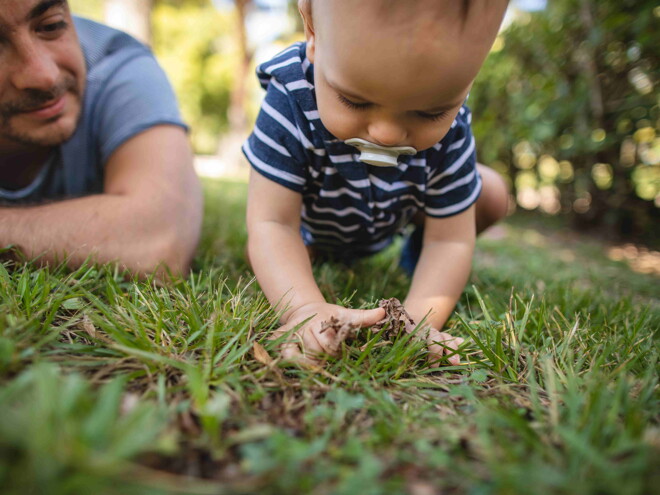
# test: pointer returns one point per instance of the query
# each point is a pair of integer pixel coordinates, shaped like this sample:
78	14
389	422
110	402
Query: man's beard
31	100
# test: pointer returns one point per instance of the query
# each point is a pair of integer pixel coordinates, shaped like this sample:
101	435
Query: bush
566	107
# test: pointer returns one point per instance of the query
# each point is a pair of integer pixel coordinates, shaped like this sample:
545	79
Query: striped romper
350	208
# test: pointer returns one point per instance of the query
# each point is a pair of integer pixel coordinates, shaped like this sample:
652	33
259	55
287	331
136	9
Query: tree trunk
131	16
236	113
229	145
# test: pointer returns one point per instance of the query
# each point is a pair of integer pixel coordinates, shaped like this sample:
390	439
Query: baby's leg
493	203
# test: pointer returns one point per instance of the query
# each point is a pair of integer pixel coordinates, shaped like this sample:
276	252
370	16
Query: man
94	158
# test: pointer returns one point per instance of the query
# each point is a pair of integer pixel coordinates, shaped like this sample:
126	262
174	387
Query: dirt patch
397	319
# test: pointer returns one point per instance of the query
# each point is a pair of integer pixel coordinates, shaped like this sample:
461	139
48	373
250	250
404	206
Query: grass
109	385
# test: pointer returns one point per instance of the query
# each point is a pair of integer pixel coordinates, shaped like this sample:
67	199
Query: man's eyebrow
43	7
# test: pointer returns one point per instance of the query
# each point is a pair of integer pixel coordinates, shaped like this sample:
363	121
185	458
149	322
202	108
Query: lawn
109	385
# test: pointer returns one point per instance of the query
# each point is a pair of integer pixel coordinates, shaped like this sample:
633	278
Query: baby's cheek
341	124
429	136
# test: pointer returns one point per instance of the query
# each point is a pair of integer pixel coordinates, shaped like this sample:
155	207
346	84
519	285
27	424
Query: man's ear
305	9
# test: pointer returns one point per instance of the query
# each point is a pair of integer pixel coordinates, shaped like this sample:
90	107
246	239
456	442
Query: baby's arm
441	274
275	248
283	268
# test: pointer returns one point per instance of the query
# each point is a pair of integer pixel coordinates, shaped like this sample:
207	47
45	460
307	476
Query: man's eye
351	104
53	27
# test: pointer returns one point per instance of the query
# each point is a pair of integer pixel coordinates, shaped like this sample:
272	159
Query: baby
362	132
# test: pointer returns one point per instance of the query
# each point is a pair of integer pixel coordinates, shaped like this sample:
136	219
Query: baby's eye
435	117
351	104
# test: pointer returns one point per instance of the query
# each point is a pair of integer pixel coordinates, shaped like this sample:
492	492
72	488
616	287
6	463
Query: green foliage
92	9
57	435
567	105
198	48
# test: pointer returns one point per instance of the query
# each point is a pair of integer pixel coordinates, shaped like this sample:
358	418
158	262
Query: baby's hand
309	342
442	344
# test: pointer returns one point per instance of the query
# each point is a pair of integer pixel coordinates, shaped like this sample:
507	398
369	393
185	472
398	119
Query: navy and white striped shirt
351	208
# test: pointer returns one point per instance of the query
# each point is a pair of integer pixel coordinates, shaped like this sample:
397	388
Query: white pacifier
380	156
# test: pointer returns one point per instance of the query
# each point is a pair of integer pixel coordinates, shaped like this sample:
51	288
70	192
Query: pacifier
380	156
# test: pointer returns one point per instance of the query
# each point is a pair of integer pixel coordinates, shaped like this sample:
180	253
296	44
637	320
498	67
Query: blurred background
566	107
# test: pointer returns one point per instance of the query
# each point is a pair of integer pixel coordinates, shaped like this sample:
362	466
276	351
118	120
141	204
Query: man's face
43	74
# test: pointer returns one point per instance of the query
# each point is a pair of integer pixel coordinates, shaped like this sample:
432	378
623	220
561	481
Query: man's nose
33	68
387	132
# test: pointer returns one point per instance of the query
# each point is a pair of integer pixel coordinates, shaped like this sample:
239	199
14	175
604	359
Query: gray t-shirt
127	92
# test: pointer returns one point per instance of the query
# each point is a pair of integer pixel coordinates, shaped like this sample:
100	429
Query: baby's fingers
299	342
291	354
331	336
442	344
364	317
290	349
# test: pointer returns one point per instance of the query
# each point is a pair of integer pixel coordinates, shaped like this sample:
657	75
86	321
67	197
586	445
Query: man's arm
149	214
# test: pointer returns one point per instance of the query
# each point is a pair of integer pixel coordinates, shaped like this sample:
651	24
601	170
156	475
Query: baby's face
395	76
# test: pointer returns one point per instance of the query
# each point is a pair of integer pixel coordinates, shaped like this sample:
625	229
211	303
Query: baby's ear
305	9
309	49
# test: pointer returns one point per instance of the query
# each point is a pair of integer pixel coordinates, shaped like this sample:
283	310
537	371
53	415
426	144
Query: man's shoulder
126	93
99	42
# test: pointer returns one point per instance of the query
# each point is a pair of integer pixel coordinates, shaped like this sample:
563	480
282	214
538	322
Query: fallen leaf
88	326
343	331
261	355
396	318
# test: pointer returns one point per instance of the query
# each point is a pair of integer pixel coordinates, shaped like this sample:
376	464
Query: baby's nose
387	133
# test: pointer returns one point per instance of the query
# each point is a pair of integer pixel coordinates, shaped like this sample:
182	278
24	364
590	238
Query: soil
396	319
